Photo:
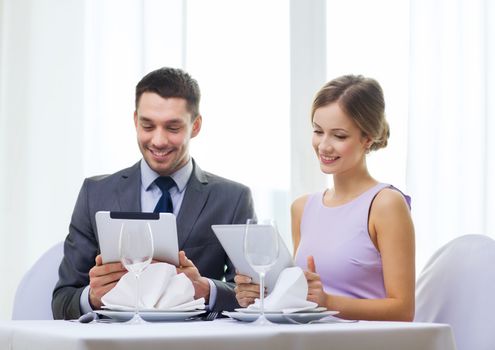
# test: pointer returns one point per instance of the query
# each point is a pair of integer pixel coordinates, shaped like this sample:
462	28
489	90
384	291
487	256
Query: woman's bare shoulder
390	199
299	203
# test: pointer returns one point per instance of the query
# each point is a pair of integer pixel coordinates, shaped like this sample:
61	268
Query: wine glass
136	252
261	252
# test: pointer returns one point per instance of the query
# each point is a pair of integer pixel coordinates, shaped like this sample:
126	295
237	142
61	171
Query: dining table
224	333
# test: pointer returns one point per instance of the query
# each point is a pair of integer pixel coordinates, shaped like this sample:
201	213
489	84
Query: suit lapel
195	197
129	189
192	205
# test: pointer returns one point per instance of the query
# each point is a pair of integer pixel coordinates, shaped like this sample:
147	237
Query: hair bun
382	140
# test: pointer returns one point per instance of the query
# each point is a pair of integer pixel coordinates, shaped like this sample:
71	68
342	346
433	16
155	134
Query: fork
209	316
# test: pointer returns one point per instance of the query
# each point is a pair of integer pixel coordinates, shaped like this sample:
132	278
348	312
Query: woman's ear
367	142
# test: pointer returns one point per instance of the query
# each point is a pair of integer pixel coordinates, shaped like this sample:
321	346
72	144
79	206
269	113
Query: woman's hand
245	291
315	287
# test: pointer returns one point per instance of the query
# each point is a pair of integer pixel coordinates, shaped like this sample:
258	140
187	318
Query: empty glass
136	252
261	251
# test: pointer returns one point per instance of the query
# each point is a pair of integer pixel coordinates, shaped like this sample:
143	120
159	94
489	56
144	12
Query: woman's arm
296	211
392	232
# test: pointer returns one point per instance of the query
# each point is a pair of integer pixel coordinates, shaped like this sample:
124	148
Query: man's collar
181	176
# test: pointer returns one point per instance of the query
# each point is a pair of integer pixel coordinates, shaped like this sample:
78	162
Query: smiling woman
337	138
356	239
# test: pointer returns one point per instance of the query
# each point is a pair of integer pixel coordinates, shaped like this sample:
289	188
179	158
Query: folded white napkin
289	294
161	288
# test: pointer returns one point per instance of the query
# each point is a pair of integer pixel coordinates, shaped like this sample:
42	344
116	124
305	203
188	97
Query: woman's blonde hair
362	100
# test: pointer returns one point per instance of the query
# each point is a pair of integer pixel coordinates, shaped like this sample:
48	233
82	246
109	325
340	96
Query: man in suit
166	118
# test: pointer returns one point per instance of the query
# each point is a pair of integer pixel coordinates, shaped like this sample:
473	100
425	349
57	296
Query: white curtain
41	118
451	151
67	75
68	70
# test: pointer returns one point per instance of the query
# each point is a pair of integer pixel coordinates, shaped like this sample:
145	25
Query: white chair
457	287
33	297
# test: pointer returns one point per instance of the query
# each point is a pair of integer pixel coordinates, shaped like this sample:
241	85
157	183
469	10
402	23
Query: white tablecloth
224	334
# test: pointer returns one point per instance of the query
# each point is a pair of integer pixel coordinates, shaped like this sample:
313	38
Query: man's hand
102	278
245	291
315	287
201	284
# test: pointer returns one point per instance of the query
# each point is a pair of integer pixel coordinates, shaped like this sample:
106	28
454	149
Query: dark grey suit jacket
208	200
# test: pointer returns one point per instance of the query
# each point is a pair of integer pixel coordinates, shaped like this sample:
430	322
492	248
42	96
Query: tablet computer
163	228
232	239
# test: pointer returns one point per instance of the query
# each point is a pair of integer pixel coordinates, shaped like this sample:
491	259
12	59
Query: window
371	38
241	62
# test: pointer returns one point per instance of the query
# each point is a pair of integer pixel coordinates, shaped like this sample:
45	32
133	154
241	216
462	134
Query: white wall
41	120
308	74
67	96
68	70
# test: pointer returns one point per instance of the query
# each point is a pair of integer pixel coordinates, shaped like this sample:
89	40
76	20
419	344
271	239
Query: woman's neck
350	185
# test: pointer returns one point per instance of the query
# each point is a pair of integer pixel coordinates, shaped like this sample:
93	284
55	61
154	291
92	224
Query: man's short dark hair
171	82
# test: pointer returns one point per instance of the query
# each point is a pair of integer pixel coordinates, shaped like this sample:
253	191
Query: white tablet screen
232	239
163	227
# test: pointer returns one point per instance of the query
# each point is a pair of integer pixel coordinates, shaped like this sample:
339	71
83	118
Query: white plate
254	311
192	307
301	317
151	316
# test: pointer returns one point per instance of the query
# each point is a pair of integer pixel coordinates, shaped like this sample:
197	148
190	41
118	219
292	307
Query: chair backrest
33	297
457	286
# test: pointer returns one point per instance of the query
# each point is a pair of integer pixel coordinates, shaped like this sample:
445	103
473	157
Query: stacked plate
305	316
150	315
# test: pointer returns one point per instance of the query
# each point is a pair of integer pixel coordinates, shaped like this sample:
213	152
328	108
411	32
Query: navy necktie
164	205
